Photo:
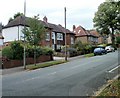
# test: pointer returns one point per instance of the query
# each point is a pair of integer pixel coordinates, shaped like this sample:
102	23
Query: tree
15	16
107	18
118	40
34	33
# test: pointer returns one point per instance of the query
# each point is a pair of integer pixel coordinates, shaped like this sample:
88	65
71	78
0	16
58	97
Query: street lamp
24	58
65	37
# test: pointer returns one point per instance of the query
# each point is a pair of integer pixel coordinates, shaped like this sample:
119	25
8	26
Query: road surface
79	77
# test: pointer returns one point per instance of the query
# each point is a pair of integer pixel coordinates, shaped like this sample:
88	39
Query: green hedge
15	51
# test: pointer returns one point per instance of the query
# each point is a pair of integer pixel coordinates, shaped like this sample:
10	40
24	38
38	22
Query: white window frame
47	36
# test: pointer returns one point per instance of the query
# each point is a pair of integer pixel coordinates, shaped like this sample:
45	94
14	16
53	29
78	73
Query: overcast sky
79	12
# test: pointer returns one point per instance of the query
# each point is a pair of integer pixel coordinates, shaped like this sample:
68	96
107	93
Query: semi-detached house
55	34
86	36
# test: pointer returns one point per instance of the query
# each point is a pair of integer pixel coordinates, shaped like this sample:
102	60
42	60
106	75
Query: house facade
85	36
55	34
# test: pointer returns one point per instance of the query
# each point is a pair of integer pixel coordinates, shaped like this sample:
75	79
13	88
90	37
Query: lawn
45	64
89	55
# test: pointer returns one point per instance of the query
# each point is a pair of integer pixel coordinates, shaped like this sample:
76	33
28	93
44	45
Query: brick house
100	38
85	36
55	35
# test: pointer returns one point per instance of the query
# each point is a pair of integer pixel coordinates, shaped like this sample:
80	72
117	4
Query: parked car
99	51
110	49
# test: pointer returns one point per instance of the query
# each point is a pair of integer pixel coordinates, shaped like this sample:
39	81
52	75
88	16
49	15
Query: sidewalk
21	68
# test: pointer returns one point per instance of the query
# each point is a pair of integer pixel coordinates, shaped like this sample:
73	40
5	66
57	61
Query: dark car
99	51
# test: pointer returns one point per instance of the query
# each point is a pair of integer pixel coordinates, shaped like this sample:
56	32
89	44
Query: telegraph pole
24	58
65	37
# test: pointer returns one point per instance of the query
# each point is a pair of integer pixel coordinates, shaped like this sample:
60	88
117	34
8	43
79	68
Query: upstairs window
72	40
47	36
59	36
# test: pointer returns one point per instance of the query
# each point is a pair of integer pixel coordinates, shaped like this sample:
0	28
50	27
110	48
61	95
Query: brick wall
17	63
82	39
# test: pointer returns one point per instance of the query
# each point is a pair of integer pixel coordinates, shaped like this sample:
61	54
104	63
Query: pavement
21	68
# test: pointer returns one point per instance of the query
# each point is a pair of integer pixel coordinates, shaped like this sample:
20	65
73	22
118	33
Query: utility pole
65	37
24	58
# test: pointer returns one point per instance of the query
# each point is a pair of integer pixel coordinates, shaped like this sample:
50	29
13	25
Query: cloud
78	11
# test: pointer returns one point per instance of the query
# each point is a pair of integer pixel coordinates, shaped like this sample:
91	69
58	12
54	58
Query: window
53	35
72	40
47	36
59	36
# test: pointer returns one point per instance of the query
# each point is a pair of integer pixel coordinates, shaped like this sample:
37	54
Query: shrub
17	49
47	51
72	51
39	51
7	52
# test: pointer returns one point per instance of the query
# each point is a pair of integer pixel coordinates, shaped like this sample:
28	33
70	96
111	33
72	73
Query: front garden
13	55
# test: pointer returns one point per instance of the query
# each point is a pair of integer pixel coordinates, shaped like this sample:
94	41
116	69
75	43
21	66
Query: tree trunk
113	37
35	55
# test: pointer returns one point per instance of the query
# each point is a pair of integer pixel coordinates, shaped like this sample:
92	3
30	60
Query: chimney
74	27
45	19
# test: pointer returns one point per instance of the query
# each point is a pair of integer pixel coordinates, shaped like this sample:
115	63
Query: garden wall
17	63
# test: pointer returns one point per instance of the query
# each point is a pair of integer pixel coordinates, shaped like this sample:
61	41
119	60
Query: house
55	34
100	38
57	40
70	36
85	36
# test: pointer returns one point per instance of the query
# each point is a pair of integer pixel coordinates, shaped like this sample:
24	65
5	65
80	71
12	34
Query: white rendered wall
12	33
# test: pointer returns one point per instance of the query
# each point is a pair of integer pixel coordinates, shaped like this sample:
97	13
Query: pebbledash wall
17	63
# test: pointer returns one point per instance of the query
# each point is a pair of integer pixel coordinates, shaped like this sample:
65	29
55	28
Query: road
79	77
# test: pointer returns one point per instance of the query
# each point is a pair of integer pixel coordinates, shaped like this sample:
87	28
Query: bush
7	52
39	51
72	52
17	49
47	51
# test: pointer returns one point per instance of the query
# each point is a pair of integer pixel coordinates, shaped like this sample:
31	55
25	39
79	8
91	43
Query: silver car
110	49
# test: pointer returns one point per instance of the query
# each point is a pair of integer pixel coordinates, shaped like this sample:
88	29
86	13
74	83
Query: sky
78	12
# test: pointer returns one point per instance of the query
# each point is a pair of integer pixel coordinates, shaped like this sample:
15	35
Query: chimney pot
45	19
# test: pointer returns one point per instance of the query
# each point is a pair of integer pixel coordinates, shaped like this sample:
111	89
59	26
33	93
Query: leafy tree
34	33
18	14
15	16
107	18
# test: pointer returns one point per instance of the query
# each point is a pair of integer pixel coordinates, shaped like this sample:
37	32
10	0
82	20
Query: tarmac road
79	77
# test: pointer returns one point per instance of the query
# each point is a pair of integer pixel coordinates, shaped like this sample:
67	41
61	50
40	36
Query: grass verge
112	90
45	64
89	55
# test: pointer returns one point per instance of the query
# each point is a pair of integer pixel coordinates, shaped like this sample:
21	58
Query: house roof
67	31
55	28
94	33
80	31
20	20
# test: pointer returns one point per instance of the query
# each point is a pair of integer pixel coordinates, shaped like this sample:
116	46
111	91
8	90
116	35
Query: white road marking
52	73
113	69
